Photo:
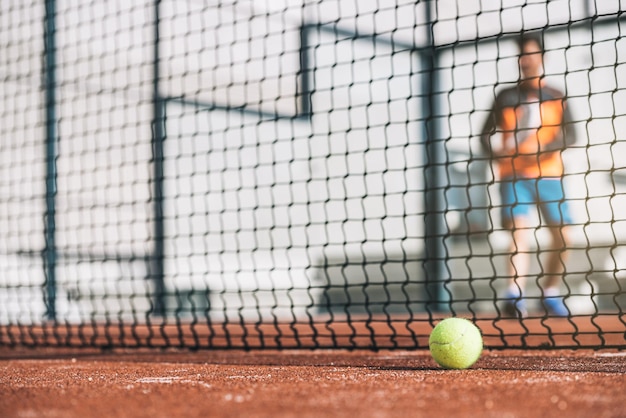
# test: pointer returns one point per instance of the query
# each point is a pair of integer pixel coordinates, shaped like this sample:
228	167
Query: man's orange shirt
532	122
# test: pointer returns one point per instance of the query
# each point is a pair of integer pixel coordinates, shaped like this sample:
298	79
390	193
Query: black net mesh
304	173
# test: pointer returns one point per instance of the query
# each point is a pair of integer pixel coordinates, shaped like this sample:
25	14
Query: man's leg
517	199
557	255
518	266
557	216
553	272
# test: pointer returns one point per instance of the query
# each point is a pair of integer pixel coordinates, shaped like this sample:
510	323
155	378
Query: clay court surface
58	382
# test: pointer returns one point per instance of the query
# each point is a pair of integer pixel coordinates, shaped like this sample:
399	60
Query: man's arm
489	129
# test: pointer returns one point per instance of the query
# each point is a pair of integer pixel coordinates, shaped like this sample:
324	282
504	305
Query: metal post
305	81
434	175
158	130
50	85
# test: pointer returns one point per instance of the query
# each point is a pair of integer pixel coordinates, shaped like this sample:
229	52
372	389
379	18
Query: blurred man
530	120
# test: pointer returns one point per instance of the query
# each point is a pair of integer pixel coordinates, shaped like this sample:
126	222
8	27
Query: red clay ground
300	383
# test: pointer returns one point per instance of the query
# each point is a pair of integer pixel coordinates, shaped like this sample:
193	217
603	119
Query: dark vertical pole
158	130
592	10
434	163
305	81
50	85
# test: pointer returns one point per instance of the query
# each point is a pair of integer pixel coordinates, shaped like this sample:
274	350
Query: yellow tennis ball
455	343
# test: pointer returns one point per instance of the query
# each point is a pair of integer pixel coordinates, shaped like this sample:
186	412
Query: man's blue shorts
520	196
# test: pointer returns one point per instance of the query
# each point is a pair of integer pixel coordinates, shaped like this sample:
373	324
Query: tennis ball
455	343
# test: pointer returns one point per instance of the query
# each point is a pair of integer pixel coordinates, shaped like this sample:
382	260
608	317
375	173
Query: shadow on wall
476	280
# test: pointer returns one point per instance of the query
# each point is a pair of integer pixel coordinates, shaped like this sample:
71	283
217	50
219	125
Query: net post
155	262
50	85
434	164
305	81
